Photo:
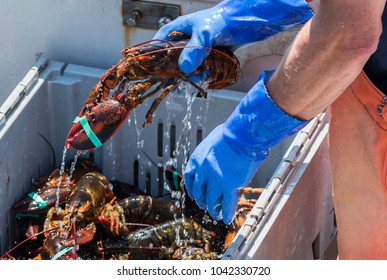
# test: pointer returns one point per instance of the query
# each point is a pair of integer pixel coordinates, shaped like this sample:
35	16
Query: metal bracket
148	15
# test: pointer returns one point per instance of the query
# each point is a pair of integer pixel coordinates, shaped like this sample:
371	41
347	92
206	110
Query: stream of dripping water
184	141
183	144
61	172
140	142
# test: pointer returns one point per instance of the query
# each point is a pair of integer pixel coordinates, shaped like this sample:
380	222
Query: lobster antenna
150	41
7	253
51	147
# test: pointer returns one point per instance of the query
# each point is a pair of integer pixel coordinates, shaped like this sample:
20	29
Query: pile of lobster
94	222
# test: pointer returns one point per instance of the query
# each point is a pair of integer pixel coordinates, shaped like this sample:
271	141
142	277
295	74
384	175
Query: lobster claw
28	225
97	126
43	198
60	247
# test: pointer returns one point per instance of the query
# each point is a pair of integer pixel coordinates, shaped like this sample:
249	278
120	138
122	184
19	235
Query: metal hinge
23	88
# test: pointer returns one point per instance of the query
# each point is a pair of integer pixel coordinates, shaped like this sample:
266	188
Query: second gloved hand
233	22
215	173
228	158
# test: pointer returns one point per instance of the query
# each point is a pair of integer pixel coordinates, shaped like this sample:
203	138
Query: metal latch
148	15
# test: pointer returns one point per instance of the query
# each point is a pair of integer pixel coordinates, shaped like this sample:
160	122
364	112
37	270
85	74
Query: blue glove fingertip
216	212
191	58
162	33
229	206
188	179
194	52
188	182
195	184
214	197
186	66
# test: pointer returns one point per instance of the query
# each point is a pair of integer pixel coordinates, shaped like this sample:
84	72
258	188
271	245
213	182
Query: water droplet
140	144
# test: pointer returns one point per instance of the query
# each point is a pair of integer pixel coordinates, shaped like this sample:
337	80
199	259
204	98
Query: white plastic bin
293	219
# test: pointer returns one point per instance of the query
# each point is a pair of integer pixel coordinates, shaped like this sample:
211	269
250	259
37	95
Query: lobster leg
153	92
116	216
120	89
164	93
157	101
100	92
202	91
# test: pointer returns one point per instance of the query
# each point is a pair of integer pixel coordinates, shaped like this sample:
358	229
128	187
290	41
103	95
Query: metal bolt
134	17
164	20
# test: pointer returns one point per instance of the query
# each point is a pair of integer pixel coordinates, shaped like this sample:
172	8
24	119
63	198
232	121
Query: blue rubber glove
227	159
233	22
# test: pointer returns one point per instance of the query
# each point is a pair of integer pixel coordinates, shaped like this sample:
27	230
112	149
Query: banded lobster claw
47	195
97	124
146	69
95	128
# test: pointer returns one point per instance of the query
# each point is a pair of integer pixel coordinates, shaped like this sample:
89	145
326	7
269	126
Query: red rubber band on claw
89	132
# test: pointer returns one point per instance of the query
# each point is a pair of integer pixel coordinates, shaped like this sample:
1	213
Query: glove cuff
258	123
252	21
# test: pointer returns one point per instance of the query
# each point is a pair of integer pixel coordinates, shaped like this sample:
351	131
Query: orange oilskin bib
358	152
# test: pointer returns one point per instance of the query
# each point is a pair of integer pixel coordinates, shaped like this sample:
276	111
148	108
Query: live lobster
145	69
95	224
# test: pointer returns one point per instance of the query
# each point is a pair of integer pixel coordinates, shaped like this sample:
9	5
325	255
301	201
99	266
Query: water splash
184	140
72	168
177	234
184	143
68	178
201	118
61	171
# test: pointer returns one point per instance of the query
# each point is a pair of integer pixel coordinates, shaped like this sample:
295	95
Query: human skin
326	56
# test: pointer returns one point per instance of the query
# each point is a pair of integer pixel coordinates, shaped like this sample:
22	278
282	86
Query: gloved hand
227	159
233	22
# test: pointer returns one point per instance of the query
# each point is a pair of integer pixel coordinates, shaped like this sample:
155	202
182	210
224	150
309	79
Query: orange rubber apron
358	152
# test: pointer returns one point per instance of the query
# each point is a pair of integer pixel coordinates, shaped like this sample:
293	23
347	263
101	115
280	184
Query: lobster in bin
145	70
47	191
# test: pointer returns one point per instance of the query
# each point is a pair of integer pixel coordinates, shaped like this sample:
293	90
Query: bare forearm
327	55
